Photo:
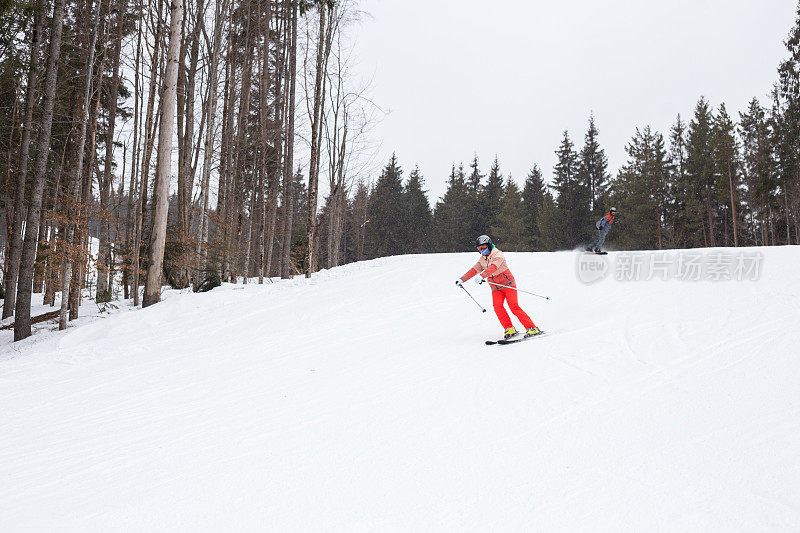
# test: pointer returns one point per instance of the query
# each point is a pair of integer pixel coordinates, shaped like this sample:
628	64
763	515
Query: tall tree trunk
151	124
263	116
15	248
227	170
103	293
234	209
82	236
339	200
288	167
186	99
733	207
152	289
208	151
22	322
316	123
786	208
129	215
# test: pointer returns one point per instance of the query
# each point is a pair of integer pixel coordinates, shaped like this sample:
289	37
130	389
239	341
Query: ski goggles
482	247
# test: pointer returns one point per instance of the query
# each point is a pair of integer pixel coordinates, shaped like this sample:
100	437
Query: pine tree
675	210
477	202
789	161
385	233
509	231
356	223
552	234
701	198
451	218
418	215
758	170
639	192
532	197
492	197
593	170
726	160
573	196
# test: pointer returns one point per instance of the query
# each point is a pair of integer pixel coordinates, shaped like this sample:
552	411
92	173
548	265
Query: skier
604	226
491	266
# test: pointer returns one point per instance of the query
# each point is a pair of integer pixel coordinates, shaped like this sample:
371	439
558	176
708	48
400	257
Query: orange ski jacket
492	268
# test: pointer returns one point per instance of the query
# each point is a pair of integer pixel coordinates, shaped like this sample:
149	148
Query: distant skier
604	226
492	267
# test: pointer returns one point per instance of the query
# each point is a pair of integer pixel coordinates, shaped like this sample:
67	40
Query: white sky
507	77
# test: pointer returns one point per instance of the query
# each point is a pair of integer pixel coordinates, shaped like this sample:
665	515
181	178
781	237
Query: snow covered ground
365	399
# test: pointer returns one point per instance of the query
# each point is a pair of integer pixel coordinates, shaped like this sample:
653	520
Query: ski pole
473	299
518	290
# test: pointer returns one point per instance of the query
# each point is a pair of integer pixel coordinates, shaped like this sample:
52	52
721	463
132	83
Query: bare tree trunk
53	265
288	167
339	200
234	209
22	323
733	207
710	212
151	124
103	293
186	98
316	120
15	248
788	224
127	271
227	148
263	116
211	105
249	239
82	237
152	289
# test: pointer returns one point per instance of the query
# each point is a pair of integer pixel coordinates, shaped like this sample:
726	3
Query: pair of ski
596	253
512	341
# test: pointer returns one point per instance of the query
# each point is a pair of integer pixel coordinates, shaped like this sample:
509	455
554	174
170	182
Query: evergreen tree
509	232
758	170
789	160
475	177
356	223
418	215
785	153
701	198
299	235
675	210
726	159
550	228
640	192
573	196
478	209
451	218
532	197
385	234
593	170
492	197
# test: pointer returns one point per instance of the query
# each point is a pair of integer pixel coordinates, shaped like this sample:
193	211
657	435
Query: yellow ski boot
510	332
533	331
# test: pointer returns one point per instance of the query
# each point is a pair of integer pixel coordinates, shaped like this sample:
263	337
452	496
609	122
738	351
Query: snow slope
365	399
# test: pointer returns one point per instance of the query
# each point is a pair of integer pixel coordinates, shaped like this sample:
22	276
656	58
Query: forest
189	140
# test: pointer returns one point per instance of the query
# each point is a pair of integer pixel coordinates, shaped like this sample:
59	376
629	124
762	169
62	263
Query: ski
512	341
595	253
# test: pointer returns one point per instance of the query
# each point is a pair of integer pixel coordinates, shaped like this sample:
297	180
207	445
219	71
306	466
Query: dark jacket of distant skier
603	226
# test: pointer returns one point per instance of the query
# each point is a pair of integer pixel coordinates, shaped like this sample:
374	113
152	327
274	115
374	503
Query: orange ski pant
510	296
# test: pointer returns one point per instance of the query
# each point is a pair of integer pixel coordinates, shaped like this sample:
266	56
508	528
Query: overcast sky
507	77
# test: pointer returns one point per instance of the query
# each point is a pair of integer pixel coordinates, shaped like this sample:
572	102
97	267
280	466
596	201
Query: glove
479	280
459	284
